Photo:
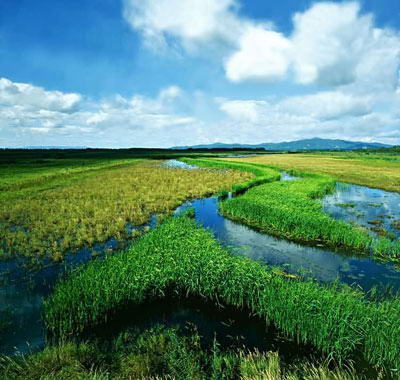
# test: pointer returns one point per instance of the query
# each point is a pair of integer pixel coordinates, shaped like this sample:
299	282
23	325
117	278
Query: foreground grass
94	203
351	168
159	353
181	258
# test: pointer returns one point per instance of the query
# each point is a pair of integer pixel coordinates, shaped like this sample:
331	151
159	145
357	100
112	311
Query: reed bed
161	353
182	258
93	209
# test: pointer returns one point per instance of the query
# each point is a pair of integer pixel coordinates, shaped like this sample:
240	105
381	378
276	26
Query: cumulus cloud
27	95
325	114
189	22
29	112
263	55
332	44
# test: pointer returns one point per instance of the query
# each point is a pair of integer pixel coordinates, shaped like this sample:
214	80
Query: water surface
376	210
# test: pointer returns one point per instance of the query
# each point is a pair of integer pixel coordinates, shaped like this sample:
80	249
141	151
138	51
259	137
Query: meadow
374	170
49	209
182	259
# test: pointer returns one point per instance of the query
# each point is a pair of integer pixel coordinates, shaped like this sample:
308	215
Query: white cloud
189	21
330	114
29	113
328	105
27	95
332	44
244	110
263	55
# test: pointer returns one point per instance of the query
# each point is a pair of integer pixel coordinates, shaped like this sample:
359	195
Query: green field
52	204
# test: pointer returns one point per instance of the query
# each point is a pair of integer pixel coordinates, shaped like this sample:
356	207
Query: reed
180	257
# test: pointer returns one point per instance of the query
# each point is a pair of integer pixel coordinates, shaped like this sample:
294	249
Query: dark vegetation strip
179	256
159	353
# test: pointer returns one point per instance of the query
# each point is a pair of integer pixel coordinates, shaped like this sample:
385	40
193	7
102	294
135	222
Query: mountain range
298	145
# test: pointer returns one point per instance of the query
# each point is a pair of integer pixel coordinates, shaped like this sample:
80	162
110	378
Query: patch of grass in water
346	205
289	210
396	224
375	205
179	256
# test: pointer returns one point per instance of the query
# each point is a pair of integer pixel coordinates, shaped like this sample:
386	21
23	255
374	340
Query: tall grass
180	257
92	209
163	354
290	209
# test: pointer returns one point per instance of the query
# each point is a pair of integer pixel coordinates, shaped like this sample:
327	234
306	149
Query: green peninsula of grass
183	259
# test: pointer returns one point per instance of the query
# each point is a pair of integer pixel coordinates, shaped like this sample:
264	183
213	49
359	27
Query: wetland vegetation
52	210
53	206
379	170
179	258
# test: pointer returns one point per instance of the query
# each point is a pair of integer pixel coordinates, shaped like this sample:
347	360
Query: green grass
159	353
182	258
290	209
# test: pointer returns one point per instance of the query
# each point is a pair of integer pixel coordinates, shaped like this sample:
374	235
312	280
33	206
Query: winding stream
25	298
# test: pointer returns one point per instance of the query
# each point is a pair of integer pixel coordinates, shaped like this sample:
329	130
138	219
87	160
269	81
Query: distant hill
299	145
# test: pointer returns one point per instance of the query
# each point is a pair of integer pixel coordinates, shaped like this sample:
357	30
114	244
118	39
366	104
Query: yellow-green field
378	173
84	206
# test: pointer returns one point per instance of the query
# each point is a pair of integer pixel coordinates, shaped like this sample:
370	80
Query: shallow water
24	290
232	328
376	210
323	265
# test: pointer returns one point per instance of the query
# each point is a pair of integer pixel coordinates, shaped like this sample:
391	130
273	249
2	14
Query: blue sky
118	73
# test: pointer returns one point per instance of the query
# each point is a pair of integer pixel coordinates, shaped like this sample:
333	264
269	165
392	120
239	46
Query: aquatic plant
180	258
97	207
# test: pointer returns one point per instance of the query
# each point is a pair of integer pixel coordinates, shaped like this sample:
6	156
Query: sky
162	73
